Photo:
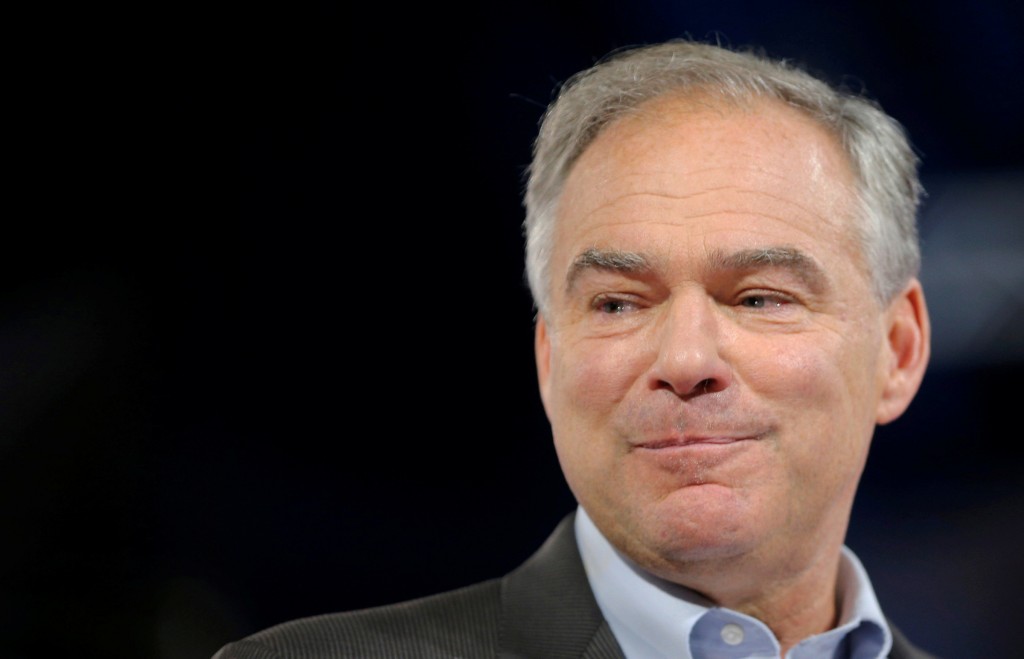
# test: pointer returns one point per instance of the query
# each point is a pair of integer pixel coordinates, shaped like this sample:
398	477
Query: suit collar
548	609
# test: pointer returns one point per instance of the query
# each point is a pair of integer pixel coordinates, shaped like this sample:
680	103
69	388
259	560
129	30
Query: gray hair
876	144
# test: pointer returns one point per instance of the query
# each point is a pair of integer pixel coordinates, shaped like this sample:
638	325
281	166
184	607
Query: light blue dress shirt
655	619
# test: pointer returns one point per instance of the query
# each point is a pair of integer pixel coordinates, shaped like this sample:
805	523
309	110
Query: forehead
681	170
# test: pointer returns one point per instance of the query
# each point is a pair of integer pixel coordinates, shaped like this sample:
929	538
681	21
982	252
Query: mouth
698	459
693	441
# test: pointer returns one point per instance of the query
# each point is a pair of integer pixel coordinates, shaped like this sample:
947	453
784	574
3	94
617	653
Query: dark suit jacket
544	609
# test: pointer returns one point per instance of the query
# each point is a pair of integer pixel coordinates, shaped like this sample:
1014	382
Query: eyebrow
782	257
611	260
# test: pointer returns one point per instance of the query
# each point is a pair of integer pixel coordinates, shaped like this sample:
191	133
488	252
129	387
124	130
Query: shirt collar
651	617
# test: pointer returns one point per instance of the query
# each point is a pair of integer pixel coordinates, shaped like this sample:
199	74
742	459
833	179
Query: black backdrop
268	352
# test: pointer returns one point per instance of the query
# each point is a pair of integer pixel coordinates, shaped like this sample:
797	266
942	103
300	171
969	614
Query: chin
687	529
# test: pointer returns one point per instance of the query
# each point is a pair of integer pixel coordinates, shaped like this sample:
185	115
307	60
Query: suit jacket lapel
548	609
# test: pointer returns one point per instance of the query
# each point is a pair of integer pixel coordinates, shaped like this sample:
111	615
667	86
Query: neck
795	600
795	611
794	607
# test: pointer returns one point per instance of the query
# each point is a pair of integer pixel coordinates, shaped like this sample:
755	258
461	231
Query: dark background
267	350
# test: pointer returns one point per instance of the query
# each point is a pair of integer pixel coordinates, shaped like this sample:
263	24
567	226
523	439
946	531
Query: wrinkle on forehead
752	194
666	146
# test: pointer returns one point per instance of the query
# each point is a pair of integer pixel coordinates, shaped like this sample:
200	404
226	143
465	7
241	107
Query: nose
689	359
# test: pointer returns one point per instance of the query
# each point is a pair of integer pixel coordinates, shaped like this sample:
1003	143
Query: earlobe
542	355
909	348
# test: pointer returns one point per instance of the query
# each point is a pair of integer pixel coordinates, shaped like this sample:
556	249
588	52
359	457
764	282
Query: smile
693	441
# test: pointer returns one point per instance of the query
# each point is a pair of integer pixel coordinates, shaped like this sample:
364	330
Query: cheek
829	375
589	381
594	375
823	394
790	374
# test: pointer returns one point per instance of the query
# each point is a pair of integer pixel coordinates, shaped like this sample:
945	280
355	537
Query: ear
908	345
542	355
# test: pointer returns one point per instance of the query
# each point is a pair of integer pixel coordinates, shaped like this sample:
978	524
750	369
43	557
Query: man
723	255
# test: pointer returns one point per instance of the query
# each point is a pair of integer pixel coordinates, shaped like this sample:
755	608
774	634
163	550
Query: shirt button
732	634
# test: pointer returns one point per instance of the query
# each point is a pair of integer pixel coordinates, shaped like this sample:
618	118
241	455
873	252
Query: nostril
705	386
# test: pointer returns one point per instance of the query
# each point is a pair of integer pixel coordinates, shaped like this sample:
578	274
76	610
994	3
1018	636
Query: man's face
713	362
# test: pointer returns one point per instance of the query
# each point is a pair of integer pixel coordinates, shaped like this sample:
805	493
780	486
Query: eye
610	305
766	301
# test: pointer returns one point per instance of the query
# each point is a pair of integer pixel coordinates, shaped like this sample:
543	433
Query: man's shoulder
457	623
543	607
